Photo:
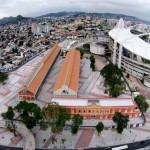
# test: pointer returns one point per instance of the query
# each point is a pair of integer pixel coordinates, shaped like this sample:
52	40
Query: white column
114	53
120	54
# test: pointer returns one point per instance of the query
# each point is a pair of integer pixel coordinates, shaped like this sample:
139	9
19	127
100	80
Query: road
131	146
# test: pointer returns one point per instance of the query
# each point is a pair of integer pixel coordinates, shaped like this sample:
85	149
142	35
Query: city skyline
36	8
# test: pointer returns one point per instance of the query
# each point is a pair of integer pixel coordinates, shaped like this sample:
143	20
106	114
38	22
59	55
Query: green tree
77	120
86	46
113	79
121	120
20	43
9	114
141	102
80	28
56	116
117	90
14	50
99	127
30	113
92	65
3	77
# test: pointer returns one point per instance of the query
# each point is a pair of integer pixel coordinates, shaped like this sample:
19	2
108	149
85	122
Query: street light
134	137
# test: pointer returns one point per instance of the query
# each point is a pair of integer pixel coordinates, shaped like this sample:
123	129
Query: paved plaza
91	84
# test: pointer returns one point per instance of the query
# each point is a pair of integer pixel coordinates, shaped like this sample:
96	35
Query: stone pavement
23	131
142	89
85	138
91	84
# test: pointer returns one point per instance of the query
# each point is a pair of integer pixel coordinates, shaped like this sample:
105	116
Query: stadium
130	52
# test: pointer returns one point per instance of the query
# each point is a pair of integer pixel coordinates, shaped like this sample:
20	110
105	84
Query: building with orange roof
68	79
99	108
30	89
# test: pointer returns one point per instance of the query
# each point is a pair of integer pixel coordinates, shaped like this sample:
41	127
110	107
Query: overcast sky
33	8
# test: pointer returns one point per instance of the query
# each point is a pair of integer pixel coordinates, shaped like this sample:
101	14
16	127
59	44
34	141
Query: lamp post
134	137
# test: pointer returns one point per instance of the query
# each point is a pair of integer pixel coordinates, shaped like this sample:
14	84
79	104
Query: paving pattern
85	138
91	84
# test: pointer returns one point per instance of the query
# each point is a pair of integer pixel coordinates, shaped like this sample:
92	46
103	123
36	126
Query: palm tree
63	141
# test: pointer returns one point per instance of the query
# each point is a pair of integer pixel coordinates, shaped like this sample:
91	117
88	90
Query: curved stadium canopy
132	42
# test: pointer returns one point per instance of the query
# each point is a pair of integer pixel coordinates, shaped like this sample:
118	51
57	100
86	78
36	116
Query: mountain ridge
103	15
11	20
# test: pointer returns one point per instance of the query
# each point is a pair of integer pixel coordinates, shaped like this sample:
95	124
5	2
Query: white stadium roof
86	102
133	43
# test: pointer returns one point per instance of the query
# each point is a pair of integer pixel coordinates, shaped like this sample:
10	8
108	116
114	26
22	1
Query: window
79	111
106	111
84	111
93	111
89	111
72	110
65	92
102	111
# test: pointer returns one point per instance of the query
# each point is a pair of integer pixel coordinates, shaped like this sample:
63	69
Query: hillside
11	20
101	15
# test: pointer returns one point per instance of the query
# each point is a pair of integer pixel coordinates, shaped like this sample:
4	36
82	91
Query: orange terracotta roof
69	73
35	81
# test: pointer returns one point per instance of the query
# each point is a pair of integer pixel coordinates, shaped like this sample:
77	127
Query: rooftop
121	34
102	102
69	73
35	81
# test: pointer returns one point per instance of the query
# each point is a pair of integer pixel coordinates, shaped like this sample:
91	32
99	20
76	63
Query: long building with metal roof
68	79
30	89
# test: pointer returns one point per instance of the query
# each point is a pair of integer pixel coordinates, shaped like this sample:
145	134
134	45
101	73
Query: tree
54	140
92	65
20	43
117	90
86	46
11	127
9	114
141	102
3	77
14	50
113	79
82	53
121	120
80	28
111	70
99	127
56	116
77	120
30	113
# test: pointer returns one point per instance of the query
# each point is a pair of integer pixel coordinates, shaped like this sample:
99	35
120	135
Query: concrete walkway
25	133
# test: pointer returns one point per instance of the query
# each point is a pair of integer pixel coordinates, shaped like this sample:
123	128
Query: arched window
65	92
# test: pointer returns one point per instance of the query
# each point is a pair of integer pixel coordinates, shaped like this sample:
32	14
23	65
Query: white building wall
64	91
97	49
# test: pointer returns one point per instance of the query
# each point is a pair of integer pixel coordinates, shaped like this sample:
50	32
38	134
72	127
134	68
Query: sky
34	8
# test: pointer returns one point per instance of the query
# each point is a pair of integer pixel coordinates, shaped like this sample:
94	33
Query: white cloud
139	8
